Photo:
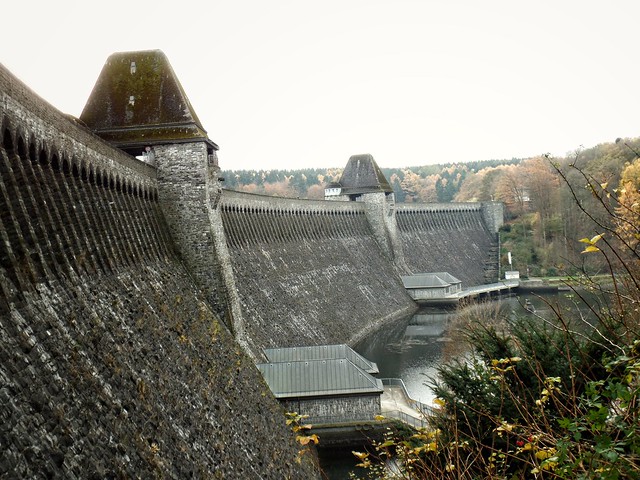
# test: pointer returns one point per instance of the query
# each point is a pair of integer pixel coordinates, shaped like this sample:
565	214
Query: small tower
138	103
362	176
363	181
139	106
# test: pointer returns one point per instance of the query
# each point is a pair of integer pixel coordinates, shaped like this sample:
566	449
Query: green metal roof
318	378
320	352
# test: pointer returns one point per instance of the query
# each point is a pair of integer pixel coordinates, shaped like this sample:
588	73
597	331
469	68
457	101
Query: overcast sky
296	83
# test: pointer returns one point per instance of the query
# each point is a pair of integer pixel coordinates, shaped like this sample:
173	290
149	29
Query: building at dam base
137	296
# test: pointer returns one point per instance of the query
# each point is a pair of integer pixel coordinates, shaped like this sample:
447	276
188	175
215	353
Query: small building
332	190
432	287
512	275
327	390
361	176
320	352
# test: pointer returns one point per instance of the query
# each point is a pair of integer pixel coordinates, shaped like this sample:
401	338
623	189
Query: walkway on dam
488	289
396	403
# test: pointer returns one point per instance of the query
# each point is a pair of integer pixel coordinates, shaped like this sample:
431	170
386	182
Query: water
412	348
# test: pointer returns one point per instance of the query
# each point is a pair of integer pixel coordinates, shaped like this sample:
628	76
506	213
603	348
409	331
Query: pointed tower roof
138	101
362	175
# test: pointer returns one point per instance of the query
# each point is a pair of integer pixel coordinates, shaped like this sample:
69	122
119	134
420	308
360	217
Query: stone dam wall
135	299
307	272
112	362
459	238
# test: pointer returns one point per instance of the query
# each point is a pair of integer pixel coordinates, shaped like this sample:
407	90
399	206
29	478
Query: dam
137	293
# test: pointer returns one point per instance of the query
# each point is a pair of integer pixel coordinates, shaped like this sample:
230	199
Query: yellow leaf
544	454
590	248
305	440
584	240
596	238
439	401
360	455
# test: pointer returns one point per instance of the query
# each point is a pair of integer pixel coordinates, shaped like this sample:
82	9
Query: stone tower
139	106
363	181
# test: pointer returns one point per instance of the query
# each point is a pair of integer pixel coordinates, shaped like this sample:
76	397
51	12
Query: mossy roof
138	100
362	175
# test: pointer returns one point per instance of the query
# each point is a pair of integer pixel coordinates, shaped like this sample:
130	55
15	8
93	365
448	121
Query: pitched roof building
327	383
320	352
138	101
362	175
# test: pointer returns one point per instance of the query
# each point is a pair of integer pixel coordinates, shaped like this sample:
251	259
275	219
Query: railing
422	408
336	420
406	418
422	412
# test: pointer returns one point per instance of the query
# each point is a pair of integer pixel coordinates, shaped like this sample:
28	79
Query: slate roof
320	352
138	101
429	280
362	175
318	378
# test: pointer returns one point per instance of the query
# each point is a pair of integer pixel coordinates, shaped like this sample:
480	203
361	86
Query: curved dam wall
112	363
307	272
459	238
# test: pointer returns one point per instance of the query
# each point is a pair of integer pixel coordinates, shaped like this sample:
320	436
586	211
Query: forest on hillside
548	201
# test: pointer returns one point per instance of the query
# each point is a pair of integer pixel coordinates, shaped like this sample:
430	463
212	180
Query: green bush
541	398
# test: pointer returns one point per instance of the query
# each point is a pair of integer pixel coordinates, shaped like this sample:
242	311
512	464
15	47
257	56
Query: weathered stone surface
133	377
113	363
454	238
308	272
114	278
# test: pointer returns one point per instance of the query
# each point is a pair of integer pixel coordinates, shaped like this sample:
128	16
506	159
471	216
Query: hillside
543	225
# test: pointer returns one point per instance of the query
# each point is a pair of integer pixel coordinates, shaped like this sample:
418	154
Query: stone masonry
135	298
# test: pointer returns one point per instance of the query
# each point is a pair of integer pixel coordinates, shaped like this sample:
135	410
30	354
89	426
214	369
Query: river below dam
413	347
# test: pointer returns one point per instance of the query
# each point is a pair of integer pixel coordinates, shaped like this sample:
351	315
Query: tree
511	189
628	209
315	192
542	185
538	397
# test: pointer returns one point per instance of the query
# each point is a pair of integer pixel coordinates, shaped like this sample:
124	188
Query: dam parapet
452	237
113	363
307	272
136	294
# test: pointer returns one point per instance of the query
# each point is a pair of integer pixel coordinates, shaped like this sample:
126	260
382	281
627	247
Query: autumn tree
315	192
418	188
628	209
542	185
511	190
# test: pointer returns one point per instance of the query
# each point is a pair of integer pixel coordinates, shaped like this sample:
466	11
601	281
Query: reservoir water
412	348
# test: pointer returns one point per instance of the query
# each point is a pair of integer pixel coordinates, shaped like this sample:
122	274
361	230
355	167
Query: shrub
541	398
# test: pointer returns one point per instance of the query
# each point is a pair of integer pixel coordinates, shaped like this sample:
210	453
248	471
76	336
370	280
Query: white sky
297	83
